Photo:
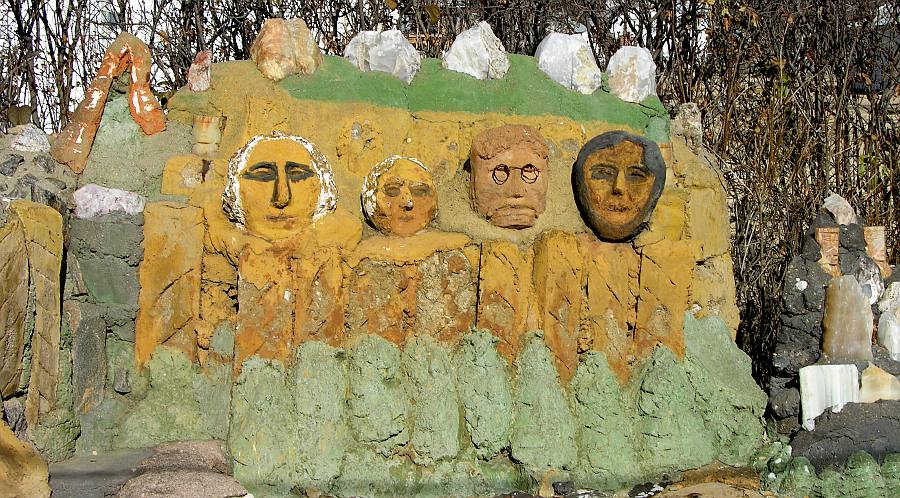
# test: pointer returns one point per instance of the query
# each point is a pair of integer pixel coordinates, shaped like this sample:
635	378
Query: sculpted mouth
617	208
279	218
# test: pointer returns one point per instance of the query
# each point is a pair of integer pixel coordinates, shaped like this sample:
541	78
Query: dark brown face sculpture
509	175
618	178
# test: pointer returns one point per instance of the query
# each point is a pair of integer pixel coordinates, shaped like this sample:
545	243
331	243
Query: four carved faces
278	185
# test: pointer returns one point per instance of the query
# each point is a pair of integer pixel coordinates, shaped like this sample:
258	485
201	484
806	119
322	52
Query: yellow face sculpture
399	197
277	187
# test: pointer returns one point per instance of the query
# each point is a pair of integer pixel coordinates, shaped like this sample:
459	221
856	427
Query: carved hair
231	198
370	183
489	143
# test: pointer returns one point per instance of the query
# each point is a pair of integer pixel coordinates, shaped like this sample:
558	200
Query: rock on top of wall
30	139
632	74
386	51
94	200
284	47
840	209
478	53
568	60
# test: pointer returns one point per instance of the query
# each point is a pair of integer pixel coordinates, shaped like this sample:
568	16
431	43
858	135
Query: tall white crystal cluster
632	74
569	61
478	53
826	386
385	51
889	322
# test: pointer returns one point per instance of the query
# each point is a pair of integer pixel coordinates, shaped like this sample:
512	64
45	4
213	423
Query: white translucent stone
94	200
568	60
869	277
385	51
889	334
848	321
30	138
890	299
478	53
841	209
632	74
878	384
826	386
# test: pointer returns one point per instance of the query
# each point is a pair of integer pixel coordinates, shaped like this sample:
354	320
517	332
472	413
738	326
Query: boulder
284	47
569	61
386	51
478	53
632	74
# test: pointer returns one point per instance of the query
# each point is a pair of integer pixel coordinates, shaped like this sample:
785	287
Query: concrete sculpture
399	197
509	175
618	179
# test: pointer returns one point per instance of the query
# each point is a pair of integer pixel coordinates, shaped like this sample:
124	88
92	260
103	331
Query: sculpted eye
530	173
420	190
638	173
392	189
500	174
261	172
297	172
603	172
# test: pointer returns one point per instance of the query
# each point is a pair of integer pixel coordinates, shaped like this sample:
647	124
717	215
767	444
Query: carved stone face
405	199
616	186
509	176
277	186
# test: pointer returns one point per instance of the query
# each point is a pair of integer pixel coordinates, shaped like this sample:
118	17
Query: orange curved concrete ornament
73	144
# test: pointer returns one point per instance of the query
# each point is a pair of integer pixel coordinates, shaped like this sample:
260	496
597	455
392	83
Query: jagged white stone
826	386
632	74
869	277
478	53
385	51
890	299
878	384
841	209
94	200
688	123
568	60
30	138
889	334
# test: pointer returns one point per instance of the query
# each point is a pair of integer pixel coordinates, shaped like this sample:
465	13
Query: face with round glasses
405	199
509	188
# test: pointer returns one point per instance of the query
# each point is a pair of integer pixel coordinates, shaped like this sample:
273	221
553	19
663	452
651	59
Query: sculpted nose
406	199
619	183
517	186
281	196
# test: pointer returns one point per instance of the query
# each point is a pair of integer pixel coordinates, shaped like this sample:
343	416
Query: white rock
478	53
841	209
30	138
801	285
94	200
890	299
869	277
826	386
878	384
688	123
568	60
632	74
386	51
889	334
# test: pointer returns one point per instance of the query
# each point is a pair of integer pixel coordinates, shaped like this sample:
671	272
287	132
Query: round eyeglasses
529	173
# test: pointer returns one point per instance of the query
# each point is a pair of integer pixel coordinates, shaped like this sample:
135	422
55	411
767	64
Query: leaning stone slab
568	60
385	51
848	322
826	386
632	74
478	53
